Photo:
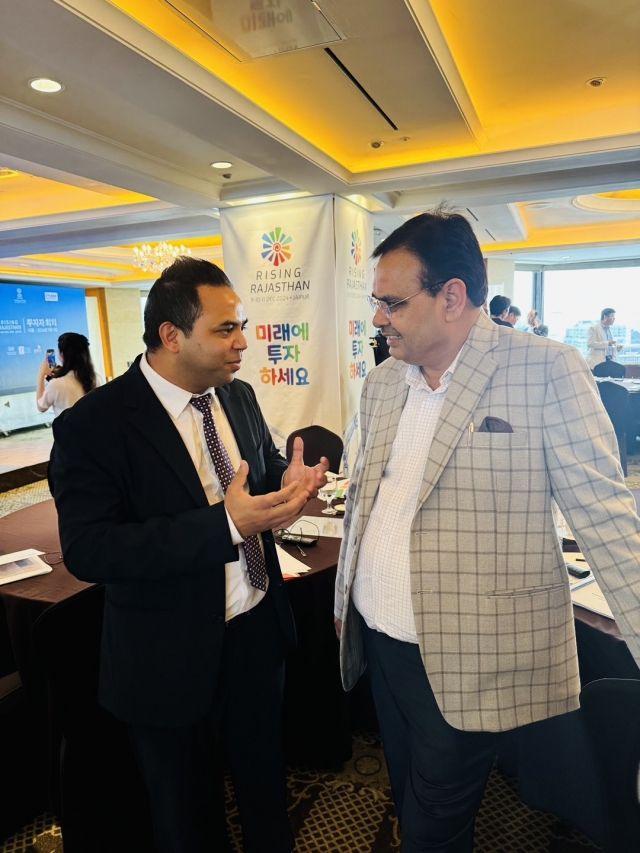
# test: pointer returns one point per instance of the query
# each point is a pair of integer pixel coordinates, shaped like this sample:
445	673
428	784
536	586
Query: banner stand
302	270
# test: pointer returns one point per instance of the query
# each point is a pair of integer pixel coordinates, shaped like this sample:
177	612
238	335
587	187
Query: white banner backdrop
280	258
354	281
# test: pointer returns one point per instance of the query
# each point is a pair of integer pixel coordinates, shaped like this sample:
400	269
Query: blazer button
217	618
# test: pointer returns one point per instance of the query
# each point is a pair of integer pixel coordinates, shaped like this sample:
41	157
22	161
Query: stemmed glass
327	493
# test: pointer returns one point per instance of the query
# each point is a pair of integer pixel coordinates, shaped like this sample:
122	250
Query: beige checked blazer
489	587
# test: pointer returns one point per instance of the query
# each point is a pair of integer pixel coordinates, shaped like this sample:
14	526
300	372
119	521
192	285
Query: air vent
251	29
471	213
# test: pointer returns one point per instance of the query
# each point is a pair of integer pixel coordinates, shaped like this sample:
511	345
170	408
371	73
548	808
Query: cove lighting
221	164
43	84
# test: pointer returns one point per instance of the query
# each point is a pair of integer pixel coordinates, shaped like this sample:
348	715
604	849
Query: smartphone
51	358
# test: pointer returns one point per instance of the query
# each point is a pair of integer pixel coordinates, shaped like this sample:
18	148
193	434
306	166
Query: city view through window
573	300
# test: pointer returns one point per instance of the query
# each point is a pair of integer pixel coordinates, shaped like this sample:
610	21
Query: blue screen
32	318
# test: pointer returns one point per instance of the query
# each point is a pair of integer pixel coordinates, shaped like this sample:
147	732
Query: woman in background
71	379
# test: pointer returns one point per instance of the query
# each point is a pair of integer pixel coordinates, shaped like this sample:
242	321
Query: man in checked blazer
451	585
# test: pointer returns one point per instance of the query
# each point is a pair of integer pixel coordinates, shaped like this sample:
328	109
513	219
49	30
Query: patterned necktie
256	568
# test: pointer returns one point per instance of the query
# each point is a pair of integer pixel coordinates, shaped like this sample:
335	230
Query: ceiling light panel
249	30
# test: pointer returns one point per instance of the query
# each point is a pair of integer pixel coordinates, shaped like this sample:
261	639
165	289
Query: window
523	293
573	300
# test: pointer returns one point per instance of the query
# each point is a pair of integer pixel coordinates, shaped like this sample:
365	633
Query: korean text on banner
354	277
280	259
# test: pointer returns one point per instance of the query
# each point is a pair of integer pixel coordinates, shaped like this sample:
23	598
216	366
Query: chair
610	368
23	789
104	802
615	399
611	708
318	442
632	371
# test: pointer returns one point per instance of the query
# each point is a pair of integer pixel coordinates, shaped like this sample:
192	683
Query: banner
354	281
280	258
32	318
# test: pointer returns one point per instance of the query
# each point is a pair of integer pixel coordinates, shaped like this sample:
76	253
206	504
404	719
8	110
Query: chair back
615	399
610	368
101	785
318	442
611	708
632	371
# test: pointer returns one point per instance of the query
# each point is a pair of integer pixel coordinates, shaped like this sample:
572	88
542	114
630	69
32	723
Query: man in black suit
167	485
498	310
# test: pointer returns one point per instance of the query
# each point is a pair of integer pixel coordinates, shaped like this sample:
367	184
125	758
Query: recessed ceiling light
221	164
565	258
539	205
377	143
596	82
43	84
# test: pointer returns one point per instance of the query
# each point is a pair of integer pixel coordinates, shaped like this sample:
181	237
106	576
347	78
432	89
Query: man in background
498	310
451	587
167	485
601	345
513	316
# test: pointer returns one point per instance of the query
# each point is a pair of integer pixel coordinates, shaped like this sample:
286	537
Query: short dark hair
606	311
446	247
498	305
514	310
174	297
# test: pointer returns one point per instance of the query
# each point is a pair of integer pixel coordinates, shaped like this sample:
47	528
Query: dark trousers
182	767
438	773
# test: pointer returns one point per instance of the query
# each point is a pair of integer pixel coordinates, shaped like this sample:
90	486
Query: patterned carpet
16	499
351	811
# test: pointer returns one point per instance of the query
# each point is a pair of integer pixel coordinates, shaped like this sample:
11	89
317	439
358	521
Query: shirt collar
415	377
173	398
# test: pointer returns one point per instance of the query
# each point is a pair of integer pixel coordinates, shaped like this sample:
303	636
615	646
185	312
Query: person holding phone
60	386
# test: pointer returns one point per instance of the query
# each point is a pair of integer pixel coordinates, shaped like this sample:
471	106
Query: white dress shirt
381	588
240	595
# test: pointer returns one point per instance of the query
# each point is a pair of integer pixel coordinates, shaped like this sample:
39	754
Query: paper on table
289	564
312	525
21	565
591	598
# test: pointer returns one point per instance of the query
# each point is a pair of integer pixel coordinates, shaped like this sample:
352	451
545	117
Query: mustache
387	330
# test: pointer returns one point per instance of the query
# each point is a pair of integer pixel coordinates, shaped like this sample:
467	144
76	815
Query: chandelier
158	257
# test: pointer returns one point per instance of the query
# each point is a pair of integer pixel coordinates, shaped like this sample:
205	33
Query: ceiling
485	105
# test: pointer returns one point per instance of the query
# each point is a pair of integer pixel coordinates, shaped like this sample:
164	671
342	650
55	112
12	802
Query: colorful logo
356	247
276	247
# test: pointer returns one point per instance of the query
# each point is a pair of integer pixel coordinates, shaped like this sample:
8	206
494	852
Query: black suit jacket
133	515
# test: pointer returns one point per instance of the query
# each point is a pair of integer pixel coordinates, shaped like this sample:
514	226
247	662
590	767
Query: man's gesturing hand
255	513
311	478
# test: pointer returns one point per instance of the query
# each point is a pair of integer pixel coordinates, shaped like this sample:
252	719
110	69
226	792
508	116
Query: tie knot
202	403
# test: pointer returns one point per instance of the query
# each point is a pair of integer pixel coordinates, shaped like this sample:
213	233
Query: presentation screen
32	318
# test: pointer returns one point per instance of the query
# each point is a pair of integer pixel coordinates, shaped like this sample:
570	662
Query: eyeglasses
289	536
388	308
53	558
